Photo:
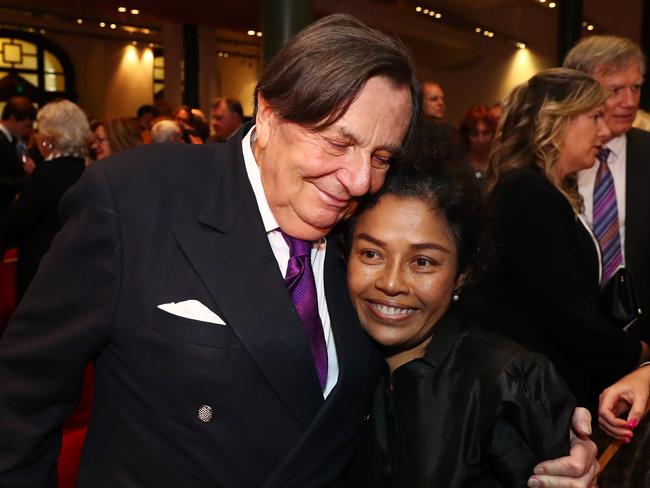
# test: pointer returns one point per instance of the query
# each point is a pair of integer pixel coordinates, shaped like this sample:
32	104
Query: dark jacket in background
12	174
33	220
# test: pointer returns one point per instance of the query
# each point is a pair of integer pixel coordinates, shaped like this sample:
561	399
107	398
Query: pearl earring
456	295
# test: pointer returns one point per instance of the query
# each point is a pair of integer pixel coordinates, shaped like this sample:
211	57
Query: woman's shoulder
498	355
523	181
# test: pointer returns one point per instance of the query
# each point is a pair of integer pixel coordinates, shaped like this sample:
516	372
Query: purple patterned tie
302	289
605	218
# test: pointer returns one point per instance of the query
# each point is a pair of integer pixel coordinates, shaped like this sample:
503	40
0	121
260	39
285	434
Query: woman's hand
577	470
631	392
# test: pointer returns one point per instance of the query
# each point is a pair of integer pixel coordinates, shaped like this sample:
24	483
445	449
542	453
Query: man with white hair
166	131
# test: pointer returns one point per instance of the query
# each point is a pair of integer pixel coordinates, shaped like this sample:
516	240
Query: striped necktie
605	218
302	290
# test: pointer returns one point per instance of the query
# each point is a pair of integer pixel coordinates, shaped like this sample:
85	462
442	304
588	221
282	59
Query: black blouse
476	411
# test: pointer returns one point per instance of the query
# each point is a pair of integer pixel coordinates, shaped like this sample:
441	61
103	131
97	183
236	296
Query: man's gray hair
604	55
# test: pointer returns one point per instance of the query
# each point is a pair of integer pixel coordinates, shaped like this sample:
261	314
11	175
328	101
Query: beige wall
237	77
502	68
113	78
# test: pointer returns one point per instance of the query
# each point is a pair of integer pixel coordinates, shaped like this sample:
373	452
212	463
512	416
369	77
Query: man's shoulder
638	139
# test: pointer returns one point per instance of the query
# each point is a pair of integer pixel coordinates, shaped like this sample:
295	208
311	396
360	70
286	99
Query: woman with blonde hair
62	138
113	135
547	282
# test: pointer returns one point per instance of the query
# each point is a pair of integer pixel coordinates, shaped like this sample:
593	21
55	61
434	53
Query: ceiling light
438	15
251	32
102	24
551	5
418	9
80	21
134	43
590	27
477	30
425	11
521	45
112	26
134	11
151	44
121	9
258	34
432	13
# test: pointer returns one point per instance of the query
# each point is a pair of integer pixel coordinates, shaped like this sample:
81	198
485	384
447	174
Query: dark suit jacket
637	217
12	175
476	411
159	224
33	220
546	291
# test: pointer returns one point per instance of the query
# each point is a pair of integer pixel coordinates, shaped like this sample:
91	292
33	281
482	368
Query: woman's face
480	138
583	138
100	145
401	273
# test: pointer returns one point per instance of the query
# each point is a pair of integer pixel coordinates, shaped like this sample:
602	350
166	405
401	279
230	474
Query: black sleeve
58	328
533	419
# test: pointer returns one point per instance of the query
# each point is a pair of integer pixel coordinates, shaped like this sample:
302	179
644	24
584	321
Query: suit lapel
230	251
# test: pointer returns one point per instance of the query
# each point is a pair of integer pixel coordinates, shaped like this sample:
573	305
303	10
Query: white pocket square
192	309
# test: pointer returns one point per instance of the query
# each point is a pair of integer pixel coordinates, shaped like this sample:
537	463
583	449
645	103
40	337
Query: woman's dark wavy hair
446	186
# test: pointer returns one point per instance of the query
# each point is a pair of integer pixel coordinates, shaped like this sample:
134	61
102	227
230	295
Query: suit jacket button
204	413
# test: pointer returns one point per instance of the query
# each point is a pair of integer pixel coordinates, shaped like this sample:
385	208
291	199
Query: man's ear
264	121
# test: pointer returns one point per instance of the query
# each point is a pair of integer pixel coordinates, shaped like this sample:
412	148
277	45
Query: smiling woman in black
457	407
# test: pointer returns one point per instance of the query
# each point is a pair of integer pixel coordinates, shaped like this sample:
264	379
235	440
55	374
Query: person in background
477	130
547	286
459	407
16	124
433	101
62	138
166	131
226	116
146	115
200	127
437	137
113	135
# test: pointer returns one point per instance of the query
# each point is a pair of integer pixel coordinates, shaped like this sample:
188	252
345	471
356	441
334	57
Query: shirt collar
255	178
616	145
6	132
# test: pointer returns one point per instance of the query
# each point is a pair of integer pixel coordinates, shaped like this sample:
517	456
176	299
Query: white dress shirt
587	178
6	132
281	253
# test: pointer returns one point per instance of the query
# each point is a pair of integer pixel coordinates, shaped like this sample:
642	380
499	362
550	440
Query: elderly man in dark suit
17	119
621	223
199	281
619	66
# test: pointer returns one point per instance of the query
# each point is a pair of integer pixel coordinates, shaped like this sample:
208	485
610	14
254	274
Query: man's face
624	87
20	128
145	120
224	122
312	179
434	100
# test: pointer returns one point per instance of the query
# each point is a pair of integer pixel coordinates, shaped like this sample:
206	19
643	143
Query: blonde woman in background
547	285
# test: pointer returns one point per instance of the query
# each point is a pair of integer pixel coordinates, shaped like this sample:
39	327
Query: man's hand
631	392
577	470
